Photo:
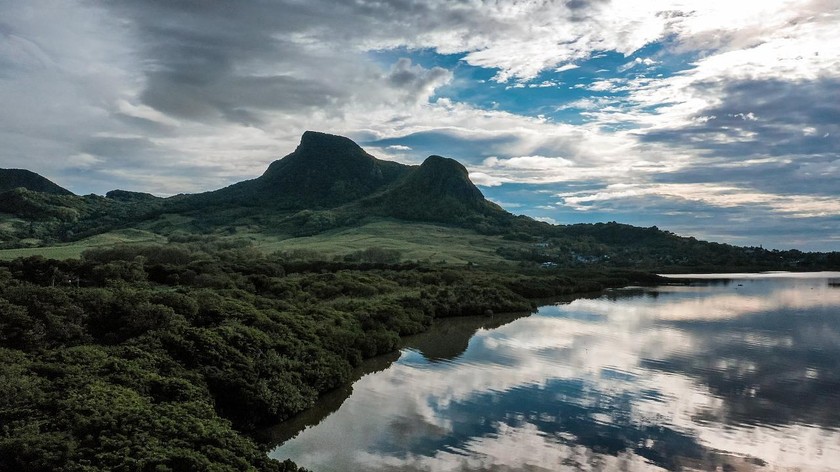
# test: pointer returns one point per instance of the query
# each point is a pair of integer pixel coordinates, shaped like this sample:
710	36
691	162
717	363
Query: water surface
739	374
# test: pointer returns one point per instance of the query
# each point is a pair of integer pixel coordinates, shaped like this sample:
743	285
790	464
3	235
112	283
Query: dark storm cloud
237	99
211	60
789	130
763	118
813	175
191	51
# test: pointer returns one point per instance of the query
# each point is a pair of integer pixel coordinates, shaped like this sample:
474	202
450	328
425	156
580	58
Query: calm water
736	375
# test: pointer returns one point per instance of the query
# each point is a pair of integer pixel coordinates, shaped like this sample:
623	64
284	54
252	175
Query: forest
165	358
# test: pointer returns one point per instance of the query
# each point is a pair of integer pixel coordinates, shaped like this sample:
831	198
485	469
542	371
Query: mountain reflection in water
741	375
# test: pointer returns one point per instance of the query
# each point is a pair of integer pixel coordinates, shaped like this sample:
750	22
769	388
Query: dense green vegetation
161	357
29	218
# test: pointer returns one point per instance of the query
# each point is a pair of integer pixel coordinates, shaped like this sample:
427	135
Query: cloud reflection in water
743	374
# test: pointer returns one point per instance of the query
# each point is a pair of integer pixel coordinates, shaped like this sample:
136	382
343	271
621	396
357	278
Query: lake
740	374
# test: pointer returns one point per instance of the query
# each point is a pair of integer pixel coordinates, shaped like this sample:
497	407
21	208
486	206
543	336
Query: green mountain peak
438	190
324	171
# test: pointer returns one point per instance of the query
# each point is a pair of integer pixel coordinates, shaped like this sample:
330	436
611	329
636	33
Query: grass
415	241
75	249
10	223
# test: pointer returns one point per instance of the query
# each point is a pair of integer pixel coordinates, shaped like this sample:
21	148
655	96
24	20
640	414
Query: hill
11	179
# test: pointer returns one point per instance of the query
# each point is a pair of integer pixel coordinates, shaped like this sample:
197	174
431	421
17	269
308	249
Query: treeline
161	357
615	245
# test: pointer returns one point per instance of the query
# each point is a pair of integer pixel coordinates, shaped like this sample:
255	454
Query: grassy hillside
75	249
415	242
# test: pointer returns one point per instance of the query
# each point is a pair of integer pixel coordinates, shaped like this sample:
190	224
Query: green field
75	249
415	241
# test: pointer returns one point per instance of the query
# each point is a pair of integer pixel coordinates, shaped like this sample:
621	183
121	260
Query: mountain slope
14	178
438	190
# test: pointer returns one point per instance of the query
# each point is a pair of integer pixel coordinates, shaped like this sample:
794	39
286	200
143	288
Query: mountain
345	200
438	190
332	173
11	179
328	181
324	171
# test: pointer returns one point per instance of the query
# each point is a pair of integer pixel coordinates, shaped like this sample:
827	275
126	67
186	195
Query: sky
715	119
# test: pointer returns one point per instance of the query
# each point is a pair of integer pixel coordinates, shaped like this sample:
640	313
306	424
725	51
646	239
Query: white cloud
647	62
546	219
605	85
82	160
486	180
418	83
566	67
529	163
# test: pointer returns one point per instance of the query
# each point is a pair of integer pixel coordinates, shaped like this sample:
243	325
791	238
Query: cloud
546	219
719	196
752	118
417	82
647	62
19	54
529	163
485	180
566	67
